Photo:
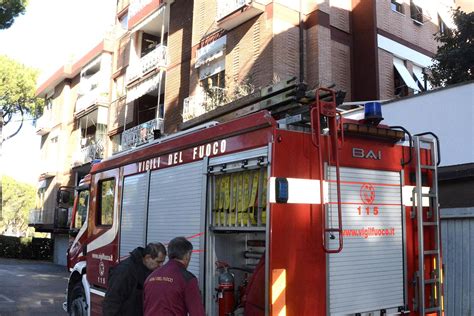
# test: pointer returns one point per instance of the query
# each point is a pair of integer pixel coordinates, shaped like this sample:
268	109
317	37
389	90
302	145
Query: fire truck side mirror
63	197
281	190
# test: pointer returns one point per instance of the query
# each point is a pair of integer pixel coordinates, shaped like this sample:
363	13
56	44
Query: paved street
31	287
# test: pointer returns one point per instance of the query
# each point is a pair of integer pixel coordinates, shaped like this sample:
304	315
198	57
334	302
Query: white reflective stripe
304	191
405	74
97	292
407	193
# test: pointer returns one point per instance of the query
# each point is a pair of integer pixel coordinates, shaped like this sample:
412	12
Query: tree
454	60
9	10
17	91
18	200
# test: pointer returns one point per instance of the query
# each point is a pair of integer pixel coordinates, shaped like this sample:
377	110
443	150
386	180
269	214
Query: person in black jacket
124	295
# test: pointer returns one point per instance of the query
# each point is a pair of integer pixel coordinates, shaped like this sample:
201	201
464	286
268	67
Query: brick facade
177	75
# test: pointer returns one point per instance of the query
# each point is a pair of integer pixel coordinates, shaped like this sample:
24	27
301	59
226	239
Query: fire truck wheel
78	301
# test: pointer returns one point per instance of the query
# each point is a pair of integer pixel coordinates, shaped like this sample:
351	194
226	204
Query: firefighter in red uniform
173	290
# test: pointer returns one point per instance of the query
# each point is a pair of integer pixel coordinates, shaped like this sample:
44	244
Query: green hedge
26	248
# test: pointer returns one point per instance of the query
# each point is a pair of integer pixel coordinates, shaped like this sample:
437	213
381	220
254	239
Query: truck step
430	252
433	309
431	281
431	167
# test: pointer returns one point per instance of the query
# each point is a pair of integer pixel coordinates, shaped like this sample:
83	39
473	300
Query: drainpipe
301	43
161	70
302	87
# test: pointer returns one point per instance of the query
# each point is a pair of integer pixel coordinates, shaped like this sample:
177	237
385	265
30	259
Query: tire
78	301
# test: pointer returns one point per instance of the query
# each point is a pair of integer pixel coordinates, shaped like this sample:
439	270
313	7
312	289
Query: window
123	20
416	12
396	6
400	88
106	202
215	81
49	103
54	140
82	207
149	42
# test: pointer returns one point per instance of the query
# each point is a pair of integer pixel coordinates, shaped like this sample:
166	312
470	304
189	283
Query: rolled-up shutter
367	275
132	230
175	209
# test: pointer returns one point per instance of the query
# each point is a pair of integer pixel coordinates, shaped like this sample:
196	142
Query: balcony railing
90	98
226	7
140	134
93	150
35	217
59	218
204	101
158	57
44	123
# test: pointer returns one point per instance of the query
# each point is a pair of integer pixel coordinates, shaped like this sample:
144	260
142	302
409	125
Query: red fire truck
324	216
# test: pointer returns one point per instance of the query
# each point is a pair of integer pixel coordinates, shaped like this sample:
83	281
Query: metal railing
204	101
35	217
94	150
140	134
226	7
158	57
59	218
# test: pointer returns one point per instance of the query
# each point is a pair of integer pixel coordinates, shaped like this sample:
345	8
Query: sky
48	35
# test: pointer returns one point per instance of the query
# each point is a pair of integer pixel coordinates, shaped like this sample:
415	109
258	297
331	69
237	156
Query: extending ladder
429	256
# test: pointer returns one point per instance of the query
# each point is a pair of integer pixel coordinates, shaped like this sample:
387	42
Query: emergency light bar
358	129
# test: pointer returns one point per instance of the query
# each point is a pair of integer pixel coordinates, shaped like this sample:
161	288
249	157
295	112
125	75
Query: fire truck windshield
82	207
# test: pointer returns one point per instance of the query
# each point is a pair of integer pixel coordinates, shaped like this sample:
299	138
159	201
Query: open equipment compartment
237	225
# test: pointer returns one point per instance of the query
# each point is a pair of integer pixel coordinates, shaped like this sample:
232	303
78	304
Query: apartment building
73	130
176	60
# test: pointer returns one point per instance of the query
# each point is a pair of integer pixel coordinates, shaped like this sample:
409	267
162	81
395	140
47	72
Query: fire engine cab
315	216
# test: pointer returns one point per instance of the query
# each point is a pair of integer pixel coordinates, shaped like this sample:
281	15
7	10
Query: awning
211	51
143	87
212	68
444	12
418	72
405	74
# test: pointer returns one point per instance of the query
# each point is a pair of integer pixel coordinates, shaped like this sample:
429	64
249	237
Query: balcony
92	150
89	99
44	124
40	220
140	134
231	13
204	101
157	58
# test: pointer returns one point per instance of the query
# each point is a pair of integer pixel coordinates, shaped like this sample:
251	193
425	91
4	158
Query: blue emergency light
373	113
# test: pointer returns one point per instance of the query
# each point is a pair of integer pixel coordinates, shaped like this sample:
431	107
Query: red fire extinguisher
225	290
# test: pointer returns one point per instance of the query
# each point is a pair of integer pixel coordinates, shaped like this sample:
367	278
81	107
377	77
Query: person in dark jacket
172	290
124	295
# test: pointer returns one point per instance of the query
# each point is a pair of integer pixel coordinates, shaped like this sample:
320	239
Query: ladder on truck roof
429	271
